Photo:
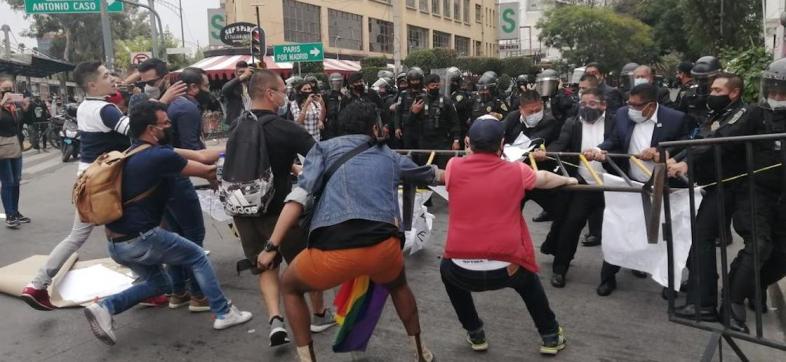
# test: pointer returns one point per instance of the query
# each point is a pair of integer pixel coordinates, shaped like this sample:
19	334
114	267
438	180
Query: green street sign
71	6
304	52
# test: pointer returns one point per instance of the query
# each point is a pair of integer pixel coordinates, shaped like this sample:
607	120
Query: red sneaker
37	298
157	301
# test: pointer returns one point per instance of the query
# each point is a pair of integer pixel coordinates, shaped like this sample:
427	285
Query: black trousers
770	218
580	207
460	283
595	223
553	202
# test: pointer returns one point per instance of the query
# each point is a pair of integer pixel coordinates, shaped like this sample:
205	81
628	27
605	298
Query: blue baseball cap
486	132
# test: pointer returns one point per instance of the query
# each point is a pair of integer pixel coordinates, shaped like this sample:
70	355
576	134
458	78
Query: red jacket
485	220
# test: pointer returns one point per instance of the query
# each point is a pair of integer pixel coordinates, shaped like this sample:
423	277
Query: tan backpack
98	195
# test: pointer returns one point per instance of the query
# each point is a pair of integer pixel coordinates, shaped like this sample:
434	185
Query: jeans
184	217
145	255
79	233
10	179
460	283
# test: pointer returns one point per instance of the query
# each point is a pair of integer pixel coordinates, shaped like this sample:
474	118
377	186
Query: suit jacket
547	129
570	136
672	125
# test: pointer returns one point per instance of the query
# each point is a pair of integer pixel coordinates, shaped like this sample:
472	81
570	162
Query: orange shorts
325	269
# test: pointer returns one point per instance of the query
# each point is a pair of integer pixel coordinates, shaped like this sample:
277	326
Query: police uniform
693	103
462	101
480	108
333	101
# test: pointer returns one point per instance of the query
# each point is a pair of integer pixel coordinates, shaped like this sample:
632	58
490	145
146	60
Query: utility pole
6	42
154	30
396	36
182	34
109	51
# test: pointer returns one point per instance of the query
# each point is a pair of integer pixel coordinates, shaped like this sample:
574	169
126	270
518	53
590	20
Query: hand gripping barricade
246	184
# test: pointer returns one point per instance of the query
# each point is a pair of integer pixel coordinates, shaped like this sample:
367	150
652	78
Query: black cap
685	67
486	132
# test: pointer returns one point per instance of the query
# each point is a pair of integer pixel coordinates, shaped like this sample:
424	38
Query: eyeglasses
152	82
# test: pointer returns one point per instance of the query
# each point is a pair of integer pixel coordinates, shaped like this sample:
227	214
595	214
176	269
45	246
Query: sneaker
101	323
179	300
22	219
477	340
233	318
197	304
322	323
554	343
11	222
278	334
37	298
157	301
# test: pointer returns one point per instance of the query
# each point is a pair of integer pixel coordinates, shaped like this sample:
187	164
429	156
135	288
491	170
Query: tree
428	59
747	63
589	34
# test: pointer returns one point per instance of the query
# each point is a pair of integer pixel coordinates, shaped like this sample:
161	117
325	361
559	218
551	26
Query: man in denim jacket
355	228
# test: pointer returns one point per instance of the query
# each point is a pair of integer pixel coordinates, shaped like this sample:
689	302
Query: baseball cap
486	132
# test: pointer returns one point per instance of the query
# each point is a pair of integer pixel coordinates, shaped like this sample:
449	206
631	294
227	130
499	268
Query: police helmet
773	85
415	75
487	80
706	67
626	76
336	81
384	73
547	82
385	83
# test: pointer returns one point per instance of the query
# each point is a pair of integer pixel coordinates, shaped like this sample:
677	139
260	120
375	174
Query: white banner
625	235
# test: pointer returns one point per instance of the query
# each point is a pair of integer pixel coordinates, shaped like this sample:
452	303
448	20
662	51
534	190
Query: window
478	13
478	50
411	4
435	7
446	8
466	11
441	40
457	10
462	46
417	38
424	6
301	22
380	36
345	30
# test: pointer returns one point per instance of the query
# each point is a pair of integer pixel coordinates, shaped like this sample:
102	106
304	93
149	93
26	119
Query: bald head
266	90
644	72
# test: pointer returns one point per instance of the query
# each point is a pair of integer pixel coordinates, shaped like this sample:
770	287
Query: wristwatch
270	247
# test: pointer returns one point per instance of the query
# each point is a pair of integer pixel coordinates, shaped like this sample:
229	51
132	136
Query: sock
306	353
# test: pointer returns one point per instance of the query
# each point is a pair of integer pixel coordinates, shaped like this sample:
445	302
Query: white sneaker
321	324
233	318
101	323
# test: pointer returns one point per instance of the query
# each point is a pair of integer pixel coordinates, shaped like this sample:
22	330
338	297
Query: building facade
352	29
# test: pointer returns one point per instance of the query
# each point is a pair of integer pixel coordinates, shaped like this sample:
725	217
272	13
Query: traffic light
257	43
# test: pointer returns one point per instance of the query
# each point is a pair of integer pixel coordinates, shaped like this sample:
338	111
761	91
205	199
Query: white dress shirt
591	136
640	140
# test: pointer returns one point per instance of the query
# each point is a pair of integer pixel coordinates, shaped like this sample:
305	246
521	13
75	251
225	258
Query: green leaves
747	63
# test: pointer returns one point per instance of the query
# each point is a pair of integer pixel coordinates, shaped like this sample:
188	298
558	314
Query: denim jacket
365	187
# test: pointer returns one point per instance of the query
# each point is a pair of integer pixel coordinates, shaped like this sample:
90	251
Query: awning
223	66
33	66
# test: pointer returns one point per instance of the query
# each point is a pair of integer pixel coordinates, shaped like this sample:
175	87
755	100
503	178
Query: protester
10	155
136	241
308	109
151	77
283	140
644	74
488	243
354	230
614	98
235	92
103	128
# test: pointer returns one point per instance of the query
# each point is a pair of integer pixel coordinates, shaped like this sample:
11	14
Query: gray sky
194	21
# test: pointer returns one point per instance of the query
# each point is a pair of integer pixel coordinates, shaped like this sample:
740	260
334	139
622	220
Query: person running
488	245
103	128
136	240
355	229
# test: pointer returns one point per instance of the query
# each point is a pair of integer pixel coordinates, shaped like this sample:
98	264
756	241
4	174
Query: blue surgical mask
639	81
533	119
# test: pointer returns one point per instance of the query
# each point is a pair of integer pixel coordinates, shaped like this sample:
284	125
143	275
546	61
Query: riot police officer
627	79
563	103
488	99
413	94
684	82
387	92
614	98
333	100
694	100
462	100
430	121
522	84
727	117
768	117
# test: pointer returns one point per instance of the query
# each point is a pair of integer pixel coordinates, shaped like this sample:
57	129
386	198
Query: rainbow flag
359	305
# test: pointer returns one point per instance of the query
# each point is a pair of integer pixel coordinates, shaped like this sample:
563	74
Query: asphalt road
629	325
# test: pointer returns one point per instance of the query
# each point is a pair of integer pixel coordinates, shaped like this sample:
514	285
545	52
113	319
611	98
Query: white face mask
636	116
776	104
533	119
639	81
152	91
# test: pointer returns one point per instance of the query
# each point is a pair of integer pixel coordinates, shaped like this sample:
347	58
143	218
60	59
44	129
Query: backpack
97	193
246	186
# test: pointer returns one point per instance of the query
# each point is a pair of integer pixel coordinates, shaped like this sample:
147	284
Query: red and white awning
224	65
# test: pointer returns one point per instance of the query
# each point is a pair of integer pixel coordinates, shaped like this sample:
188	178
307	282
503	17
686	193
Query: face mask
639	81
590	115
776	104
533	119
168	136
152	91
718	103
204	98
636	116
433	92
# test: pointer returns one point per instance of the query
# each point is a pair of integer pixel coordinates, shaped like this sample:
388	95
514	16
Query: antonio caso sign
508	21
70	6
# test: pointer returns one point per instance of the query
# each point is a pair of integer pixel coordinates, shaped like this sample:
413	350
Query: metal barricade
721	332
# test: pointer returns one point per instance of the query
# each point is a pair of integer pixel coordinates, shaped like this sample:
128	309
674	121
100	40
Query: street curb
778	298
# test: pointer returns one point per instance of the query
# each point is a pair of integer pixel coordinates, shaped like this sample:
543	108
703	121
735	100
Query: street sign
508	21
71	6
304	52
237	34
139	57
215	22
